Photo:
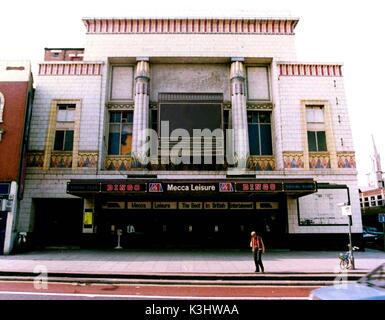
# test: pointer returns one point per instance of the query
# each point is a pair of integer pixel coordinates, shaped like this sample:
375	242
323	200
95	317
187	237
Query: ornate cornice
259	106
70	69
312	70
120	106
284	26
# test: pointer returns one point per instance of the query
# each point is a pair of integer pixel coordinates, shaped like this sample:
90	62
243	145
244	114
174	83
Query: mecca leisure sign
257	186
184	187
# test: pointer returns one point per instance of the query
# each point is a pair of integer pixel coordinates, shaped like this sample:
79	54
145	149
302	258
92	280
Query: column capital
233	59
142	59
237	70
142	70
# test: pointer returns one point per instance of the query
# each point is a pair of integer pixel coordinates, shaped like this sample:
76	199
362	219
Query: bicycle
346	259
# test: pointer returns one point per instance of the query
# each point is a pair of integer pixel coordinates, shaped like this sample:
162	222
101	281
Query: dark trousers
258	260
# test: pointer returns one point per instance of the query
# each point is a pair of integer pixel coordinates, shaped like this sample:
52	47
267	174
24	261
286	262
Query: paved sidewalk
182	261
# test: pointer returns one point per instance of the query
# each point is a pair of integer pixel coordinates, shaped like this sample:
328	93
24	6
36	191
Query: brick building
284	162
16	96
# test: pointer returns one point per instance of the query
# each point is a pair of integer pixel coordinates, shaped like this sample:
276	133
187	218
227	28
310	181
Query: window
64	140
373	201
154	120
316	140
316	135
226	125
259	124
65	121
120	133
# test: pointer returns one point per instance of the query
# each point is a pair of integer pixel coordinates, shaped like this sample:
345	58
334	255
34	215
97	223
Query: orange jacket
257	243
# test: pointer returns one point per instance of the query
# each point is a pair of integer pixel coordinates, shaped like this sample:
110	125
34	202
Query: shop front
186	213
5	189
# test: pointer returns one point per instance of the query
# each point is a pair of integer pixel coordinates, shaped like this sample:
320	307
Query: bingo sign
123	187
258	187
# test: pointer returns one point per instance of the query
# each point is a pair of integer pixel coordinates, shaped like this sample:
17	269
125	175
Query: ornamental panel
319	160
346	160
293	160
261	163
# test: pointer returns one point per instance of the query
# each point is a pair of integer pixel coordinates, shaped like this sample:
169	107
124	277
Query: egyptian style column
141	109
239	113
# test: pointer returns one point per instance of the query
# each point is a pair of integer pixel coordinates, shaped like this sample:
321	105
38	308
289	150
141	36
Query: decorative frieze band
194	25
190	97
70	69
120	106
312	70
121	163
346	160
259	106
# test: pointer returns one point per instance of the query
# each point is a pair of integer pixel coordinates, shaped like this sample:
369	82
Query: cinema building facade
284	162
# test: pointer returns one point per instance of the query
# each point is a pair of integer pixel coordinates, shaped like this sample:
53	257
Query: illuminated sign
88	221
216	205
191	187
113	205
83	187
155	187
258	187
226	187
299	186
190	205
241	205
138	205
123	187
165	205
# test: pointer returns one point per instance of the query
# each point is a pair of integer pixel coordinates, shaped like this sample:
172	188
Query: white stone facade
196	61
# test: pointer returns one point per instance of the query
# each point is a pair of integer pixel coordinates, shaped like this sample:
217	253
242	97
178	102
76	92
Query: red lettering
265	187
251	187
137	187
122	187
272	187
245	187
110	187
116	187
129	187
258	187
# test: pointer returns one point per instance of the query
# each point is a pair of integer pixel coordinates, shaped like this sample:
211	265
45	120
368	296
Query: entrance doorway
191	228
3	225
58	222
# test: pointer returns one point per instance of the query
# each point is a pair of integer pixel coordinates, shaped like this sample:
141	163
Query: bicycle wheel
344	264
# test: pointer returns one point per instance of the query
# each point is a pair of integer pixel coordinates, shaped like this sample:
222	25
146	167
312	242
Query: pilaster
239	113
141	109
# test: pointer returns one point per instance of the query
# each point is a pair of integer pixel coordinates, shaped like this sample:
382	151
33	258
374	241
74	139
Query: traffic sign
346	210
381	217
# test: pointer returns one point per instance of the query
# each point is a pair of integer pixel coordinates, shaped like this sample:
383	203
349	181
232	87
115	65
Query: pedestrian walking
258	248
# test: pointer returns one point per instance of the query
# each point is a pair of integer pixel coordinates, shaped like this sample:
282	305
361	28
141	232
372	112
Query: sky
348	32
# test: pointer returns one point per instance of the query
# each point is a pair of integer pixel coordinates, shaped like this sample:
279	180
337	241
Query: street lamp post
350	242
347	211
